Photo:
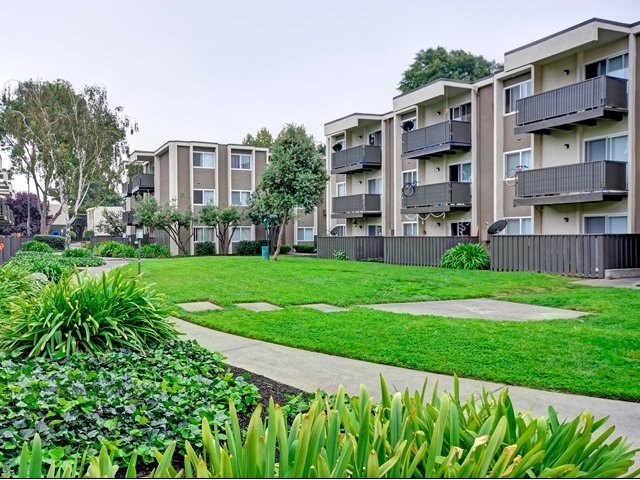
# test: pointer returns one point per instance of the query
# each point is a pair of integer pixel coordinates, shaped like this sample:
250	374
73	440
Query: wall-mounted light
438	223
437	169
355	222
566	71
566	219
359	181
360	136
438	113
566	145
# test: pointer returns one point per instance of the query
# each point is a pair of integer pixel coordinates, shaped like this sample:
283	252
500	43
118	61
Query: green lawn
596	355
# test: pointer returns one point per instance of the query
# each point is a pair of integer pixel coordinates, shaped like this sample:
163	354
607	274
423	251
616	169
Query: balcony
142	183
356	159
356	206
437	198
128	218
126	189
444	138
580	103
576	183
5	184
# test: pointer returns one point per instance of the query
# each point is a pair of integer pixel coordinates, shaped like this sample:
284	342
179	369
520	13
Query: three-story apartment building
549	144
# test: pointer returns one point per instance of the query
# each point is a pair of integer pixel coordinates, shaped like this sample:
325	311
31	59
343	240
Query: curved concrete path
310	370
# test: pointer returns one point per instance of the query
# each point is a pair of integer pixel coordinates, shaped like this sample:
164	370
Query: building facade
194	174
548	144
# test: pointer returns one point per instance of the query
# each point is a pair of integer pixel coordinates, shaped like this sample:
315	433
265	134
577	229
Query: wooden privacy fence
356	248
10	245
423	251
575	255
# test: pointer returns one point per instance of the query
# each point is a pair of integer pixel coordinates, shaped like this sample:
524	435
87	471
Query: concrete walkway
309	371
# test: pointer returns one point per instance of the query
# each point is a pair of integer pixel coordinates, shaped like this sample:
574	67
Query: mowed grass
598	354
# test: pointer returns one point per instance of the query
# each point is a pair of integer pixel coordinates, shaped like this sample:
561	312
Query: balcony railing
126	189
438	197
128	218
356	206
356	159
582	102
575	183
142	183
4	182
436	140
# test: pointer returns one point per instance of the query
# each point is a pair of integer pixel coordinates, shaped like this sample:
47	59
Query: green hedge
303	248
250	247
54	241
205	248
36	246
154	250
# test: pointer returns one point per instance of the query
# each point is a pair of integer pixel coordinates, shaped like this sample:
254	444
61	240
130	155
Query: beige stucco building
550	144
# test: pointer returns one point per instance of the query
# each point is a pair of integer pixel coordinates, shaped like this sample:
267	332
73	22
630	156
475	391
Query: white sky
215	70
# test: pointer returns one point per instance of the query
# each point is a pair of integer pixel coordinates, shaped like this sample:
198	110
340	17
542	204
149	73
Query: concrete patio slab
631	282
258	306
199	306
324	307
483	308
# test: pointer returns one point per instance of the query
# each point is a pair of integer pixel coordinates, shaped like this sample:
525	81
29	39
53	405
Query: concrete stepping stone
324	307
199	306
258	306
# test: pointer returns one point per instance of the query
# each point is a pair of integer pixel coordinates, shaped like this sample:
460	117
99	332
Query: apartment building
548	144
6	191
194	174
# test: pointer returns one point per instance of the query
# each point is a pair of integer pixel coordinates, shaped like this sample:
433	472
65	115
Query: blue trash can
265	253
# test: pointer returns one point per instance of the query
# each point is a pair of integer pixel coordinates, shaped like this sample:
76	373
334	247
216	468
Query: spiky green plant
15	287
467	256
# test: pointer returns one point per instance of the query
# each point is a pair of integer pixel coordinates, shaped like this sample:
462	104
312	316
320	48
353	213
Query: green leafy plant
36	246
154	250
284	249
340	255
90	315
373	259
55	267
250	247
54	241
205	248
87	234
466	256
76	252
114	249
304	248
15	287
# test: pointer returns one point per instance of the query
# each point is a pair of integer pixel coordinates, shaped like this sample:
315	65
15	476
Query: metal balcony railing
438	138
357	205
356	159
142	183
439	197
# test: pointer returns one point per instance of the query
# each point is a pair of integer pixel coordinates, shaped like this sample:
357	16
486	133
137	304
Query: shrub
73	236
205	248
76	252
466	256
373	259
132	402
340	255
89	314
89	261
36	246
15	286
284	249
155	250
87	235
303	248
54	267
115	249
54	241
250	247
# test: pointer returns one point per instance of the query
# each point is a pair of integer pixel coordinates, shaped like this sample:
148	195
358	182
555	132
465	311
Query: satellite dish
407	126
334	231
497	227
408	189
337	147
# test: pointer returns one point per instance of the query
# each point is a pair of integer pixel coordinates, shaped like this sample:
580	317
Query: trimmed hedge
35	246
303	248
205	248
54	241
251	247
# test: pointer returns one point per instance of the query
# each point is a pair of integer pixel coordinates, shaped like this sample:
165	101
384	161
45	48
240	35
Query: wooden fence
356	248
423	251
10	245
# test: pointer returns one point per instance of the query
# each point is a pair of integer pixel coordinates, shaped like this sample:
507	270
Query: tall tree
175	222
258	214
224	220
112	223
434	63
262	139
295	176
64	140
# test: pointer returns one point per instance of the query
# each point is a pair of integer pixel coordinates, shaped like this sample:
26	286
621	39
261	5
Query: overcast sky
213	70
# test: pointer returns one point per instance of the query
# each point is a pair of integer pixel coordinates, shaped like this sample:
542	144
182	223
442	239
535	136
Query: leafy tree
294	178
23	205
434	63
112	223
256	212
222	219
177	223
262	139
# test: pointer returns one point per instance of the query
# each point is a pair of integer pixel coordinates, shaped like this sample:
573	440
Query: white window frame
197	238
341	184
459	107
607	58
607	139
374	179
468	162
378	227
304	230
504	95
606	217
238	231
513	152
451	223
519	220
246	193
414	225
413	172
343	227
240	155
213	196
213	154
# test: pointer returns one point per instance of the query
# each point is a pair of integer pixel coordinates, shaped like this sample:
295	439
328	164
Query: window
305	234
375	138
240	197
518	226
515	161
374	185
605	224
616	66
410	176
204	234
515	93
609	148
410	229
460	172
204	159
459	229
341	189
340	230
375	230
240	161
240	234
204	197
461	113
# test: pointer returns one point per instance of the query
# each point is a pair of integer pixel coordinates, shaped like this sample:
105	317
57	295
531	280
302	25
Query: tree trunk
285	219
